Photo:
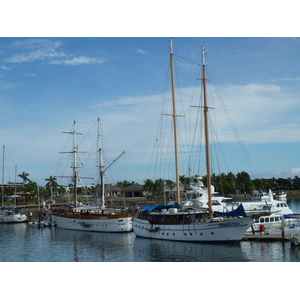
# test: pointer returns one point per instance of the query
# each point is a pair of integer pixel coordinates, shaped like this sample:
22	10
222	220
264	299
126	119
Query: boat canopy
160	207
3	208
239	211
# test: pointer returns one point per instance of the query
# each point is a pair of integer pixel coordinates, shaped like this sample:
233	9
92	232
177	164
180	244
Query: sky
51	75
47	83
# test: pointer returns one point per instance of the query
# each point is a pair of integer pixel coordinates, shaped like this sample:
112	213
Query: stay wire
239	140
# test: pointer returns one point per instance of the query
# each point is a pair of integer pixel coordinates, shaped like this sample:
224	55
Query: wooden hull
93	222
226	231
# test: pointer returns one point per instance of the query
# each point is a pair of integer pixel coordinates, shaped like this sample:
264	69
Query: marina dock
265	237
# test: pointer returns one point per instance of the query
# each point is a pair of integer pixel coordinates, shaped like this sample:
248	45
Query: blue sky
47	83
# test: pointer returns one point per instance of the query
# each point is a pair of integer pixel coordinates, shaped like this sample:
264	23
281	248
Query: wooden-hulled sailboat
91	217
186	223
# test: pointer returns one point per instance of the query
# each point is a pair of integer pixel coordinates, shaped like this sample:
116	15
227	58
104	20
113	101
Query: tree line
225	184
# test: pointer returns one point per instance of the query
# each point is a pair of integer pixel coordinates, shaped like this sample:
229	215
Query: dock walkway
265	237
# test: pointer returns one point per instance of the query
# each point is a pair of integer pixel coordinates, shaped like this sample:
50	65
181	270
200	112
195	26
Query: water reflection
21	242
95	246
169	251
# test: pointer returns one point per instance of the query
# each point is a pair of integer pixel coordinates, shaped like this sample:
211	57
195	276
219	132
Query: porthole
212	233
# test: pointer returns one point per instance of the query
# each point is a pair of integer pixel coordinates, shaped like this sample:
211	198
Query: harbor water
26	243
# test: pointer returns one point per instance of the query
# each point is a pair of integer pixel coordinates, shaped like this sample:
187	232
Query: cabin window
271	219
276	218
262	220
267	219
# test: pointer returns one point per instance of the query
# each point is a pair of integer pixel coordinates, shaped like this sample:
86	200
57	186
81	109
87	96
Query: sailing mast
3	177
175	121
101	167
101	172
207	145
74	166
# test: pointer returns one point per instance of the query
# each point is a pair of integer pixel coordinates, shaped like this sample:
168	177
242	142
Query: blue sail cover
292	216
239	211
160	207
3	208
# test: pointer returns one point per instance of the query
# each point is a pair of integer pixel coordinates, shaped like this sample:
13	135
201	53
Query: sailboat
178	222
10	214
98	218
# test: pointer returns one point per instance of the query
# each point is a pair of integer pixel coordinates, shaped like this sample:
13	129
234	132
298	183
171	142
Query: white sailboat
188	223
91	217
9	214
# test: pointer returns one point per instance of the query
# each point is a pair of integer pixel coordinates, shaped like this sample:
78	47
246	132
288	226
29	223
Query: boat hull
15	218
99	223
225	231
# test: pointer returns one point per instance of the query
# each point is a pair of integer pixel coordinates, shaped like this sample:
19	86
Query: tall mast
207	145
74	166
175	121
3	176
75	150
101	173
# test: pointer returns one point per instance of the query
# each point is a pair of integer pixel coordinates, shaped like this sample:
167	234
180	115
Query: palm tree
52	184
148	186
243	179
24	176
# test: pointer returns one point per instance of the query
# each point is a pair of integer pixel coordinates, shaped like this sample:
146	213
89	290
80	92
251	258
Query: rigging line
198	133
218	149
159	119
184	60
192	141
160	130
85	136
103	126
240	142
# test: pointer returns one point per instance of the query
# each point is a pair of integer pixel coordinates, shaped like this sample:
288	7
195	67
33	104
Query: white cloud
39	49
141	51
286	79
43	49
8	86
75	61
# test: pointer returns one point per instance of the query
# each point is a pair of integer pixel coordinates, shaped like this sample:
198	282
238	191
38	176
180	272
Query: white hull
103	224
14	218
231	230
